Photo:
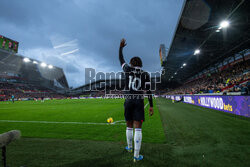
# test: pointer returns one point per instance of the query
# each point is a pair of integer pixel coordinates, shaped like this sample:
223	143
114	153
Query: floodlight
184	64
43	64
175	73
26	60
197	51
35	62
217	30
50	66
181	66
224	24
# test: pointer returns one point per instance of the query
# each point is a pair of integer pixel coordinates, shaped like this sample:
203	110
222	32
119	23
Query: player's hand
123	43
151	111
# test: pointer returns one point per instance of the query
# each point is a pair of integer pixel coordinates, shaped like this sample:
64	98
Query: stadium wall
238	105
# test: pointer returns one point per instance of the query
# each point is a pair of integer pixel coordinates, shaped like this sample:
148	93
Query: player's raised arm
122	45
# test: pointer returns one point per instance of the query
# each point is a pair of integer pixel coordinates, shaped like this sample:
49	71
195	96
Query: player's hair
136	62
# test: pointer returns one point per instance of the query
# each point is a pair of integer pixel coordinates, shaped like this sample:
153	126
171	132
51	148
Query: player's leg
129	135
128	106
138	119
137	140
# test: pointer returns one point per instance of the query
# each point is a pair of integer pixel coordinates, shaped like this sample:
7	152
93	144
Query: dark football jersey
137	81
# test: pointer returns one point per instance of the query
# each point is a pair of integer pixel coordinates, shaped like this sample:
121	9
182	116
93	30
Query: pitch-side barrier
238	105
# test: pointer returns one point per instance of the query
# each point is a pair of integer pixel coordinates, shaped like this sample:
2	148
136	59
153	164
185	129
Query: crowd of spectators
28	91
231	78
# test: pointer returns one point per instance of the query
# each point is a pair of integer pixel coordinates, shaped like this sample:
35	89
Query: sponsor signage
238	105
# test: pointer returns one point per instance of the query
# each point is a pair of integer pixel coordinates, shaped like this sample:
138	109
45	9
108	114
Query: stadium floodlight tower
35	62
197	51
224	24
50	66
26	60
43	64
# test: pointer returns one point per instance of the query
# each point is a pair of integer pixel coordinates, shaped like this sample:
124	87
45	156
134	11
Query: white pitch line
79	123
52	122
119	122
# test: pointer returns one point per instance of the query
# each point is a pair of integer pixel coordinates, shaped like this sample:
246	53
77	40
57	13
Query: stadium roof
32	70
199	28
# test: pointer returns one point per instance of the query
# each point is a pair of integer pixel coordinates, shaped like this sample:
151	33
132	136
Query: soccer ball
110	120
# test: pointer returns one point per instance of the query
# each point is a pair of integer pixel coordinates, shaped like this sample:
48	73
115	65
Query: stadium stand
25	92
209	53
233	77
29	80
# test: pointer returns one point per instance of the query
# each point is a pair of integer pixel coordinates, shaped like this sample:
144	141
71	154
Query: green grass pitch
93	111
75	134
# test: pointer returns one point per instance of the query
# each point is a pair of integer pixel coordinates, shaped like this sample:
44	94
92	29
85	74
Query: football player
137	82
